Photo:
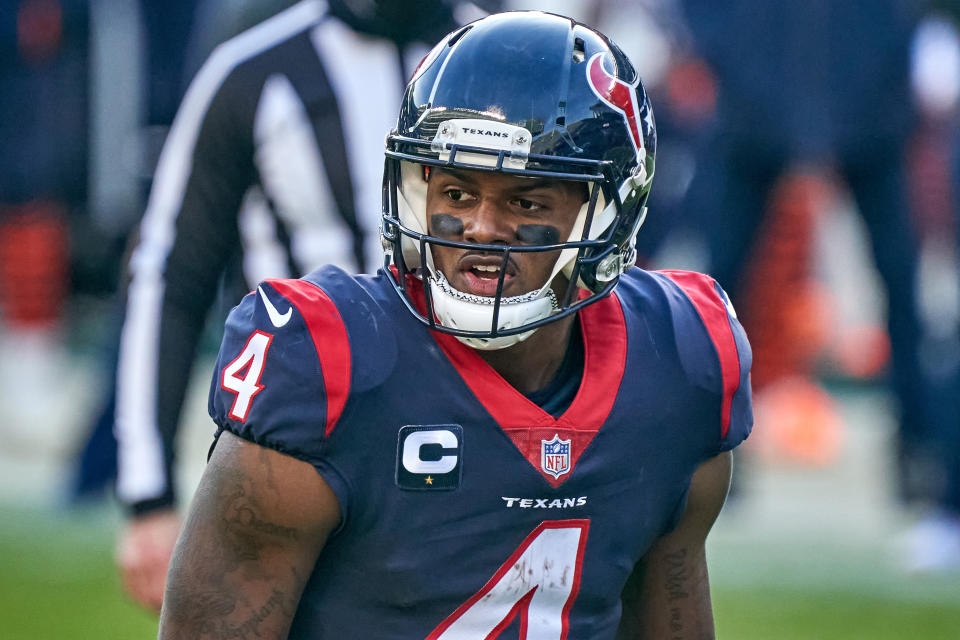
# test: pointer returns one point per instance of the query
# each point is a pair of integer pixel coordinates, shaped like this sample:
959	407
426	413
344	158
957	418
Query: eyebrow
528	184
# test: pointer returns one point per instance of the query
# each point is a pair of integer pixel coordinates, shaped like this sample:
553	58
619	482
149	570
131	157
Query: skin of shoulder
668	594
255	528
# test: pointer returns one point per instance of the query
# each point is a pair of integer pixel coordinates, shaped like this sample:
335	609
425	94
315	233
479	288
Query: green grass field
786	613
57	581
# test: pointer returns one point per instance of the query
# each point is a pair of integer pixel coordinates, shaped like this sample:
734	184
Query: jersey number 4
539	581
242	376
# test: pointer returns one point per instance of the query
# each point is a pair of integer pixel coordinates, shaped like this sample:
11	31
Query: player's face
491	208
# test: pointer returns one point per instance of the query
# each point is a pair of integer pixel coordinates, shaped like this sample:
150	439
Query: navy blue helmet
533	94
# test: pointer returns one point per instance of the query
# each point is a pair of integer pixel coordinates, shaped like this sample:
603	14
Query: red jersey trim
527	425
330	340
701	291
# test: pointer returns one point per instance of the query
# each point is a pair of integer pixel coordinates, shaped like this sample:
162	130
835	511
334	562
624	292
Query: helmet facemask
496	322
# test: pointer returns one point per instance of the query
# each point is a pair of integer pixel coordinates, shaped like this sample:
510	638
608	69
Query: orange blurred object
34	264
785	312
692	91
796	422
862	351
788	317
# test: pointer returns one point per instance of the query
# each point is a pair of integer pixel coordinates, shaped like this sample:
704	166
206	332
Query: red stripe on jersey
330	339
527	425
701	291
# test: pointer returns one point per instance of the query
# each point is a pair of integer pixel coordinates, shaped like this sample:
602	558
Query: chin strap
468	312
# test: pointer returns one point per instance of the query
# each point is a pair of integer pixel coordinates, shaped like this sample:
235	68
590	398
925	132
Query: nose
487	223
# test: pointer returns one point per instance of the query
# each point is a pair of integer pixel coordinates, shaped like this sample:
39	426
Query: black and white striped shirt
273	166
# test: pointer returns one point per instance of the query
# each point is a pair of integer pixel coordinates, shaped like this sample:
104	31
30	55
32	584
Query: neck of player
532	364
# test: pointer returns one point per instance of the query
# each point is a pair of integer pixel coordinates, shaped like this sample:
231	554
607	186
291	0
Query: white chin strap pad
459	310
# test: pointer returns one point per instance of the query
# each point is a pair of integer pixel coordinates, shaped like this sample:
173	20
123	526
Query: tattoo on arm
236	587
242	522
677	575
668	593
240	518
251	626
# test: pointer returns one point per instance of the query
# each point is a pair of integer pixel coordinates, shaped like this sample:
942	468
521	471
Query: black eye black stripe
538	234
445	225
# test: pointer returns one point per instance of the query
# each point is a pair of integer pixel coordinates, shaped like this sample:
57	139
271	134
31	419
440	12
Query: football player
510	431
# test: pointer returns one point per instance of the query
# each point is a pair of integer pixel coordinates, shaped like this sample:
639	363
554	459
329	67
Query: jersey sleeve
721	360
282	376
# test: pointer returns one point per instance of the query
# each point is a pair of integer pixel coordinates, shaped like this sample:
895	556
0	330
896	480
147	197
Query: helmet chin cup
472	313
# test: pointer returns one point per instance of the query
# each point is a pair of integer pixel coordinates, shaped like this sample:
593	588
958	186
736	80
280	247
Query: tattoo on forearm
249	628
676	585
198	609
677	574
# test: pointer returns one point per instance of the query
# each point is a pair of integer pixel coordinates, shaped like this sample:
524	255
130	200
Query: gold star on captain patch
429	480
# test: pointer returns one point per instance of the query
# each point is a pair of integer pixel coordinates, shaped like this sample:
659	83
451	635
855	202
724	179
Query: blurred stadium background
813	542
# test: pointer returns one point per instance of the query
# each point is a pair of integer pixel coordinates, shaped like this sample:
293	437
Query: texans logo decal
618	95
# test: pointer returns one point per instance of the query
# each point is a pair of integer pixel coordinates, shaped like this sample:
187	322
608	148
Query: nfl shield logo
555	456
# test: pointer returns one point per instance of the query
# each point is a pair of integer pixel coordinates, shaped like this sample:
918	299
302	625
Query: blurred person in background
136	100
811	97
272	167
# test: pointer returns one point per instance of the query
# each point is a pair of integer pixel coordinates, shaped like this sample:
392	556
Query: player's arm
668	594
254	531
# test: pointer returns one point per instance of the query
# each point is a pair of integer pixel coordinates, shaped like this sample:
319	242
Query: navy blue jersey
468	511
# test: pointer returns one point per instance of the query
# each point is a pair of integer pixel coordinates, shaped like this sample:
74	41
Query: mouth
479	274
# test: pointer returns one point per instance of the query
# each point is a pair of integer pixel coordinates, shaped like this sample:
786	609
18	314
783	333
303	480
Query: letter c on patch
416	440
